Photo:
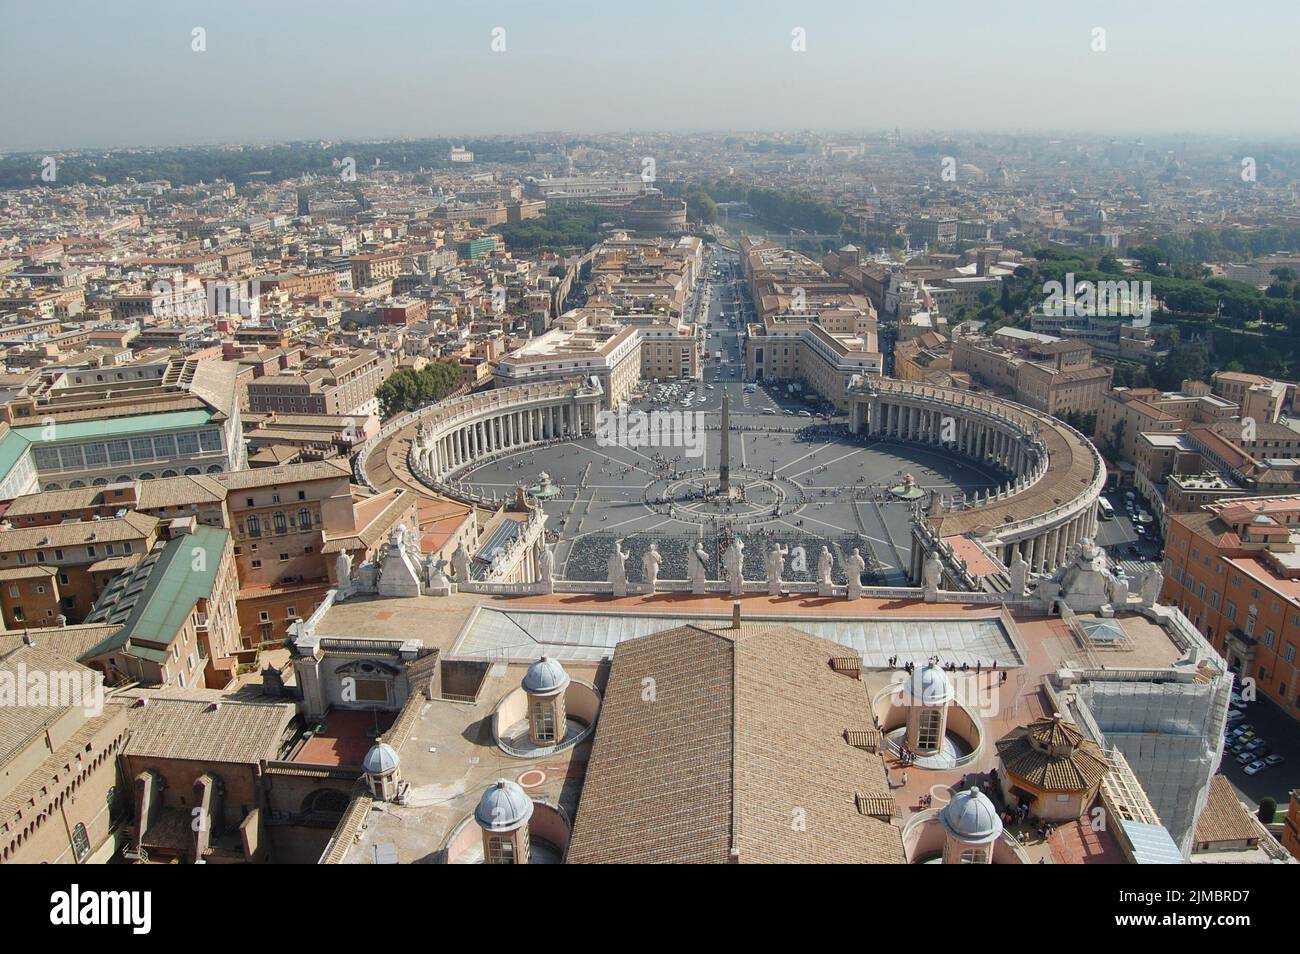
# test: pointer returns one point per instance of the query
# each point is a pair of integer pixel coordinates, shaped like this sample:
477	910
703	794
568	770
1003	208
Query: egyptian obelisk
724	464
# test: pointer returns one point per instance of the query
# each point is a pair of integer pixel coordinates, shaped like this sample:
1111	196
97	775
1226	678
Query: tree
406	390
1187	360
1267	809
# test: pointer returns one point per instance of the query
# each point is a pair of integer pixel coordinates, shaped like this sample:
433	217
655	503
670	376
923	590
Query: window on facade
544	720
501	851
254	526
927	737
280	524
972	856
80	841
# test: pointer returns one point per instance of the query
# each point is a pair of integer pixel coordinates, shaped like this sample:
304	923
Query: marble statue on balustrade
1084	584
616	569
775	568
546	566
1119	589
1152	581
650	563
1019	572
931	577
460	564
435	577
734	561
343	569
825	566
855	566
697	568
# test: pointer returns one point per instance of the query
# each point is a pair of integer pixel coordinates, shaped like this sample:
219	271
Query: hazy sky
122	72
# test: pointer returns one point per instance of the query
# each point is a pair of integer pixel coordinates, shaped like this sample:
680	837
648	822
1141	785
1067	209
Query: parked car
1274	760
1254	768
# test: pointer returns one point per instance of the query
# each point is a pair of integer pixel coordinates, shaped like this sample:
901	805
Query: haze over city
89	74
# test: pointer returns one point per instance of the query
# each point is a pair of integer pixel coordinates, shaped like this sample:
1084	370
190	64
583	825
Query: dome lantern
503	813
544	684
971	825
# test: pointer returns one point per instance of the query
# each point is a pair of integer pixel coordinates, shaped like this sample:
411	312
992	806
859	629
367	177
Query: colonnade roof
1070	472
1072	465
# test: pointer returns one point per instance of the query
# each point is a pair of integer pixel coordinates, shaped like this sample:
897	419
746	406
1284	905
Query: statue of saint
1152	582
932	572
855	566
735	565
617	564
460	563
343	568
546	564
650	563
775	568
697	571
825	564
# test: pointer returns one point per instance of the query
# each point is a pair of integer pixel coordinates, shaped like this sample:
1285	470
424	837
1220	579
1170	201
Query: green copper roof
115	427
11	451
153	599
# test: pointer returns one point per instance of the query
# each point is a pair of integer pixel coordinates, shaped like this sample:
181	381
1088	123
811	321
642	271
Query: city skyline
280	74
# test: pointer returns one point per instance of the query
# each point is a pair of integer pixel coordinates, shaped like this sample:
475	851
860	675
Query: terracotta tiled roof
1053	755
875	804
1224	818
728	745
204	726
866	739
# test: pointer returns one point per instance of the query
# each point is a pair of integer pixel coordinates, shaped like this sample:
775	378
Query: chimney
735	615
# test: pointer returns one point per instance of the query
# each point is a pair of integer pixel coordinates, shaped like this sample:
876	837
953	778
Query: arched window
254	525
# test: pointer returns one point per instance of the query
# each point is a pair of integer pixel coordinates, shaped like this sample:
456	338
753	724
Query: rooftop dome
504	807
927	687
971	817
380	760
545	677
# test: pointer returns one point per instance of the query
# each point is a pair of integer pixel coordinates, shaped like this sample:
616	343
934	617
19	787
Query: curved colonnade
1044	509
